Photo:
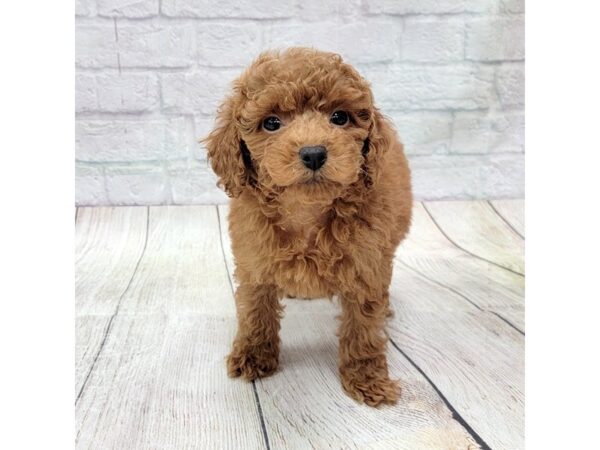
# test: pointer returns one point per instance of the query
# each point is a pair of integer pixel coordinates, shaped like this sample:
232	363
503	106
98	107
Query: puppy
321	198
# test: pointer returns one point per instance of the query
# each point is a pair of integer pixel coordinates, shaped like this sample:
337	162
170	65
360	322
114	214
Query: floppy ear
381	136
227	152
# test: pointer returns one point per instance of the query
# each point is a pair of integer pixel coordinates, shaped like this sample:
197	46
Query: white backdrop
150	74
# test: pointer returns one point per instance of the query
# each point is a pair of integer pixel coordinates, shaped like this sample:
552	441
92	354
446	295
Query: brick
89	186
504	177
240	9
424	133
426	6
467	177
433	40
85	8
438	177
86	94
128	8
358	42
224	45
204	125
117	93
496	39
510	86
512	6
194	183
199	91
137	185
408	87
134	45
131	140
318	11
481	133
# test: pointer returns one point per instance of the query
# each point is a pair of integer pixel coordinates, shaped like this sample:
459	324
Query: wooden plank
89	334
470	355
488	291
476	228
182	269
513	212
108	245
492	288
304	404
160	382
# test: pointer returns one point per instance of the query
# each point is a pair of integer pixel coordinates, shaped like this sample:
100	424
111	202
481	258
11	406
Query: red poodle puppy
321	198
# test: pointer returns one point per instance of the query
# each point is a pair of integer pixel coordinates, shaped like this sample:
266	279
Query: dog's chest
299	224
302	263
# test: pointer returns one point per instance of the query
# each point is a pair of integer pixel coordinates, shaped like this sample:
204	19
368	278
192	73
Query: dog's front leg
255	350
363	363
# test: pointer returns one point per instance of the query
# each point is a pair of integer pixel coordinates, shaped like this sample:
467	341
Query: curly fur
308	235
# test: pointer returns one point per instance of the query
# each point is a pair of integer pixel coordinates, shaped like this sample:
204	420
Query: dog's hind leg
255	351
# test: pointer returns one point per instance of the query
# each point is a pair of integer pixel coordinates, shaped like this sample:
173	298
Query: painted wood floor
155	317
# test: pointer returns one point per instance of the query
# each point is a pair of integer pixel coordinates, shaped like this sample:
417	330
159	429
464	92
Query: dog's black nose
313	157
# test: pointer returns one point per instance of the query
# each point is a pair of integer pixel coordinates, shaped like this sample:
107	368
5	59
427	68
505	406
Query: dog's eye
339	118
271	123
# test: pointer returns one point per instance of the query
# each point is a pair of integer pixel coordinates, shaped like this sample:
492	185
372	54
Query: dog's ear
381	136
227	152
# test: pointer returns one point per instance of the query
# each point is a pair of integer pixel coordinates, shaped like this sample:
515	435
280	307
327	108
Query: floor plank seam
451	289
460	294
465	250
116	311
455	414
504	220
263	425
256	396
508	322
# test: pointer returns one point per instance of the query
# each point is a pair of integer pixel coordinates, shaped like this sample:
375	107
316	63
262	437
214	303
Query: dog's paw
372	389
251	365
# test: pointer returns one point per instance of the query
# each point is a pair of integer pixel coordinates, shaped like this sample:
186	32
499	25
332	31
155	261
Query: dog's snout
313	157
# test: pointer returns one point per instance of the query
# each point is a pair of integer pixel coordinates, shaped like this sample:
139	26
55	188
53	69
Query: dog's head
300	119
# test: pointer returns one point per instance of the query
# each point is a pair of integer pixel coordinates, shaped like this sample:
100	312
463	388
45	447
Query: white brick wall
150	74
